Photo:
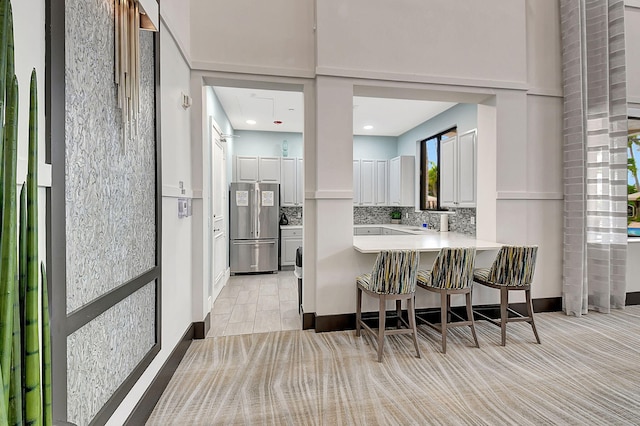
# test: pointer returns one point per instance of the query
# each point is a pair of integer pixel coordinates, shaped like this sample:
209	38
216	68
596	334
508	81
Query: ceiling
388	117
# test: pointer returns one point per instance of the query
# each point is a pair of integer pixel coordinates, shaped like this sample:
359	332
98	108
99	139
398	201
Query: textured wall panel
104	352
110	184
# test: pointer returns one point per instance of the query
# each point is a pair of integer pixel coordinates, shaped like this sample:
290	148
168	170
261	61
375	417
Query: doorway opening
260	136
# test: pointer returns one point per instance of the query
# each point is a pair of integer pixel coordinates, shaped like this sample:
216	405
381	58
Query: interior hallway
256	304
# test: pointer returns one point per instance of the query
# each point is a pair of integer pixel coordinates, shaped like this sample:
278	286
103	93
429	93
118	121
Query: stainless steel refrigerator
254	224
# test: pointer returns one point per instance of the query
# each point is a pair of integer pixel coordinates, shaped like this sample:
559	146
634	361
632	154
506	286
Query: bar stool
512	270
393	278
452	273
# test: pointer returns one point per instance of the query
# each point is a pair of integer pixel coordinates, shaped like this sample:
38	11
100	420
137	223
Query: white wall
29	42
176	15
464	116
633	267
414	40
632	40
267	144
374	147
544	48
215	111
176	233
274	37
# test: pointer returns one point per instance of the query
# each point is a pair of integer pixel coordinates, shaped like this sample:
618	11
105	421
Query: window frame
424	169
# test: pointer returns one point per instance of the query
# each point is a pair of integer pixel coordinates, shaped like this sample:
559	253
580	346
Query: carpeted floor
586	371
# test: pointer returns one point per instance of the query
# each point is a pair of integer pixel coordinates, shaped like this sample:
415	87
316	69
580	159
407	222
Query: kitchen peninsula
415	238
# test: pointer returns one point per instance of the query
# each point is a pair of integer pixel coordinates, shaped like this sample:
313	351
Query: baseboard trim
326	323
201	328
341	322
308	320
150	398
633	298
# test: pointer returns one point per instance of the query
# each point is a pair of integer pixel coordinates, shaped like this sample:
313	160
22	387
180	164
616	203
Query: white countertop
413	229
425	241
290	226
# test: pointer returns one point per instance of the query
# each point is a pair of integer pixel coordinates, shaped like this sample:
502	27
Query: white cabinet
467	169
269	169
367	182
246	169
300	181
369	230
401	181
382	179
458	171
291	182
291	239
356	182
257	169
370	179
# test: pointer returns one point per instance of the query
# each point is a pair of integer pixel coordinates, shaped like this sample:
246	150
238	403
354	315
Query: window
633	185
430	169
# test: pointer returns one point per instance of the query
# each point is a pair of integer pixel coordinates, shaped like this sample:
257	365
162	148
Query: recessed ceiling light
252	122
368	127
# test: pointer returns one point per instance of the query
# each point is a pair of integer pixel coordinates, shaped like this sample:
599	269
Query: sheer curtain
595	156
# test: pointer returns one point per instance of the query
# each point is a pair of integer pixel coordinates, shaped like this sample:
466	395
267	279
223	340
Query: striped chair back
514	265
453	268
394	272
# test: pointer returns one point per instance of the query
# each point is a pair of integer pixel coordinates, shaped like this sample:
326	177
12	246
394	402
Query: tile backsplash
372	215
294	214
462	220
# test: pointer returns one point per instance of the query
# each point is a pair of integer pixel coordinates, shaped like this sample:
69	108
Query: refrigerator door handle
252	243
257	212
252	217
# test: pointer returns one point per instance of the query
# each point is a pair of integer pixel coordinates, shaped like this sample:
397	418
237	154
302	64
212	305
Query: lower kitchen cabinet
290	240
369	230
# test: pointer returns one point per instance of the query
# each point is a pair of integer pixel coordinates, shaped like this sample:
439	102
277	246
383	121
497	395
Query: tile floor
256	304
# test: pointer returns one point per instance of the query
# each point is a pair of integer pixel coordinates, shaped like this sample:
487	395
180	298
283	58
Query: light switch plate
183	207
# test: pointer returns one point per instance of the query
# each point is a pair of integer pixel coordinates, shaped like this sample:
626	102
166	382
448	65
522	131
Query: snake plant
25	397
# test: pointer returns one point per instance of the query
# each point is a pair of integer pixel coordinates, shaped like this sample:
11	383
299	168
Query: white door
218	233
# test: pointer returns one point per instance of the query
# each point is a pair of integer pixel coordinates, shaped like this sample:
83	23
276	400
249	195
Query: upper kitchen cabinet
370	179
269	169
458	170
291	182
256	169
382	182
246	169
401	181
